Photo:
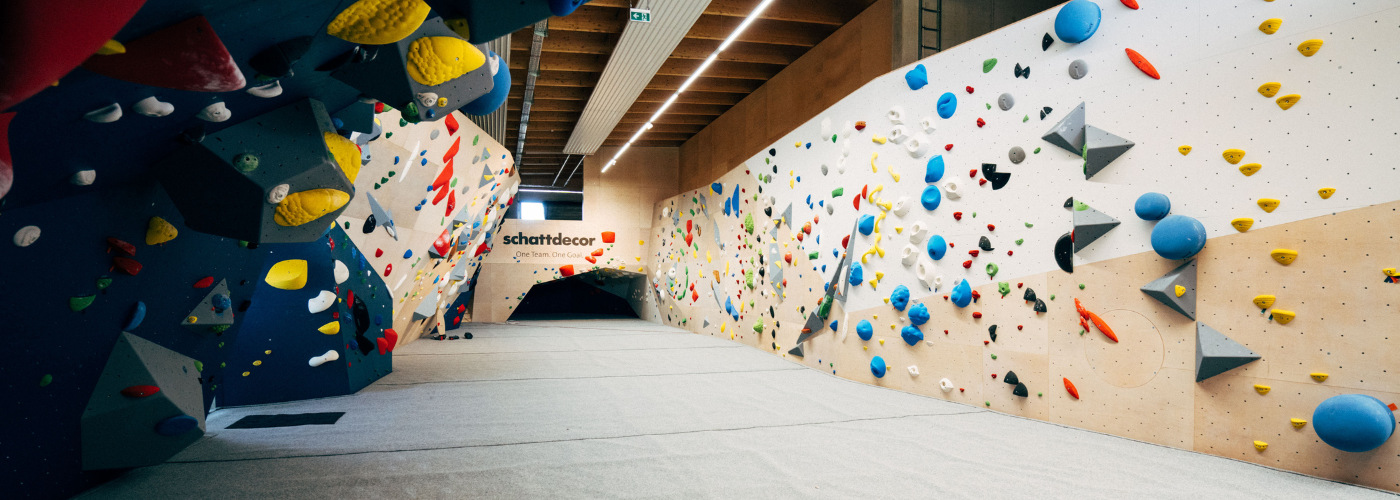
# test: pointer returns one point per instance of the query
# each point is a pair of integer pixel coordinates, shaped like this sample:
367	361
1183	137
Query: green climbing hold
242	243
391	173
1081	286
454	182
1037	151
198	365
80	303
103	283
1004	288
218	328
994	356
245	162
347	225
1019	241
45	380
402	123
389	134
223	365
992	270
1052	297
1079	206
476	138
988	65
758	325
838	192
989	105
1040	394
989	403
376	185
748	223
813	255
1030	225
1025	119
411	110
383	180
748	279
974	215
833	138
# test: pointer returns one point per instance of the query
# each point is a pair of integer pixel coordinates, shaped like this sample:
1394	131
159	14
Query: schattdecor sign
555	240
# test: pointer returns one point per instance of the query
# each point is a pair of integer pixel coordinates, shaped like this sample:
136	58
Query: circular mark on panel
1134	359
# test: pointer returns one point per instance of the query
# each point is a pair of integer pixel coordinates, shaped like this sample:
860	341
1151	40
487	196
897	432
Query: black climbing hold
999	179
1069	202
1023	72
194	134
1021	390
992	330
364	344
467	335
775	169
1011	378
242	282
760	272
985	244
243	307
276	61
772	152
1045	112
768	211
370	225
1064	252
1039	306
1029	296
361	313
1045	42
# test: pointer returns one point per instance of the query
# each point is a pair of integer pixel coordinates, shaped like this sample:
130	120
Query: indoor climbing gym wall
229	202
1167	221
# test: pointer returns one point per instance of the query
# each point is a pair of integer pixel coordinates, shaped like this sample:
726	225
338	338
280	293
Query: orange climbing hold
451	122
1142	64
609	236
566	270
1069	387
1102	326
452	151
1131	4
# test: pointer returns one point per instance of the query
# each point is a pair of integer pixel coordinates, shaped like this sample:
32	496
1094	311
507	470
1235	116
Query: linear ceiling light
703	66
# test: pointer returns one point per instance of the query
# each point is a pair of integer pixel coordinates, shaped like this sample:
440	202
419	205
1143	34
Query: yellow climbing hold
345	153
1298	423
287	275
1180	290
192	319
1310	47
111	47
1389	271
378	22
797	144
1326	193
1283	317
899	230
1271	26
1269	89
892	172
331	328
442	102
1250	169
1242	224
1261	446
882	341
1318	376
435	60
877	139
1184	149
1288	101
257	362
1284	256
159	231
1233	156
1261	388
873	168
1264	301
1268	204
305	206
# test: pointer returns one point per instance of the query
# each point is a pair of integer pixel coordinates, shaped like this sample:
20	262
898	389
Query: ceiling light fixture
693	76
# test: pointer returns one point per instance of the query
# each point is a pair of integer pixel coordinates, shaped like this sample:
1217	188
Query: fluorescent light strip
693	76
549	191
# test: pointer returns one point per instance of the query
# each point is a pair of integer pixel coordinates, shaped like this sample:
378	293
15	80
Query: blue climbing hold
735	200
865	330
220	302
857	273
911	335
918	314
899	298
339	124
407	253
379	319
962	294
937	247
718	187
917	77
934	171
947	105
833	326
1353	422
177	425
867	224
424	161
1178	237
490	101
726	207
138	314
931	198
1077	21
396	160
1152	206
877	367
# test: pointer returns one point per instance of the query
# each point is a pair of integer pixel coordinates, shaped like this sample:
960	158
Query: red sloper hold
122	247
383	345
204	282
452	151
140	391
483	248
451	201
184	56
1142	64
445	176
441	194
688	238
1131	4
948	147
609	236
1069	386
969	89
392	337
981	123
7	172
42	40
591	259
126	266
388	268
566	270
451	122
597	253
443	243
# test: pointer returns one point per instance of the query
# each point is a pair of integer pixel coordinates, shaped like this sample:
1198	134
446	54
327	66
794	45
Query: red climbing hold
1142	64
140	391
1019	327
981	181
609	236
383	345
972	173
379	252
967	265
7	171
974	252
1102	326
1008	253
688	238
969	89
591	259
1019	285
388	268
122	247
1069	386
957	216
981	123
451	202
976	295
1131	4
378	107
441	195
860	125
977	315
597	253
986	342
566	270
991	227
452	151
185	56
856	201
392	337
845	241
788	257
948	147
126	266
994	375
444	176
204	282
46	39
451	122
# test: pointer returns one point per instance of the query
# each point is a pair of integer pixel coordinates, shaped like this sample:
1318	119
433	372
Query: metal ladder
930	20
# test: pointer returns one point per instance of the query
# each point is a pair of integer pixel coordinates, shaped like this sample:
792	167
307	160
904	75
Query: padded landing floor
609	408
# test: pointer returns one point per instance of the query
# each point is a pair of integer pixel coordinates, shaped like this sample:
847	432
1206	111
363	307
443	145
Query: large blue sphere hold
918	314
911	335
1178	237
1077	21
1152	206
489	101
177	425
900	297
865	330
931	198
947	105
962	294
877	367
937	247
1353	422
933	172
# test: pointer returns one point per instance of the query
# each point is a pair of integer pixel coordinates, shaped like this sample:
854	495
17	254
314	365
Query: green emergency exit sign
641	15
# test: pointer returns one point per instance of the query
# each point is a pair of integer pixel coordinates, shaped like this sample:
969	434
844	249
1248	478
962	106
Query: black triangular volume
1027	73
1029	296
993	332
1069	202
985	244
1064	252
768	211
1011	378
1021	390
1039	306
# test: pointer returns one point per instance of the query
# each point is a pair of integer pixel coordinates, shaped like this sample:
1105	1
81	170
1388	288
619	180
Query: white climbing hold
83	177
917	145
826	128
342	272
917	232
927	125
846	148
106	114
946	385
153	107
950	190
495	63
898	134
909	255
268	91
896	115
330	355
901	206
321	301
427	98
913	370
277	193
924	271
846	129
26	236
217	112
840	165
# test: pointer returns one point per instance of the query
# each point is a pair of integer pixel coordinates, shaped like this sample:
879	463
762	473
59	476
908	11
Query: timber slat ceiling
578	47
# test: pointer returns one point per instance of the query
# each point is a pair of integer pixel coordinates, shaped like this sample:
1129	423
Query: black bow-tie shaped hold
1023	72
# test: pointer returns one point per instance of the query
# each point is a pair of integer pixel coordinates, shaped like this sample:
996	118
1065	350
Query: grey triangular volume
1217	354
1069	133
797	351
1101	148
1164	289
787	216
486	176
1090	225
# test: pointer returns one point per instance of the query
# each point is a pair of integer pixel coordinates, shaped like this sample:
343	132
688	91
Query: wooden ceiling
577	49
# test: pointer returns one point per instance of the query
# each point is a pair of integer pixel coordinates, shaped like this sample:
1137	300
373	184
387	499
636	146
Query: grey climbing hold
796	351
1217	354
1006	102
1068	134
1017	154
1101	148
1164	289
1090	225
1078	69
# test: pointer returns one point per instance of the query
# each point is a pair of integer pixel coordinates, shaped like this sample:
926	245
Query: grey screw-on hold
1006	102
1078	69
1017	154
823	169
829	209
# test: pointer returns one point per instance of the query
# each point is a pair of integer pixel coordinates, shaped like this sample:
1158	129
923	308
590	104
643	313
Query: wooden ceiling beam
829	12
679	109
668	117
704	84
695	48
546	105
537	117
577	42
649	136
554	93
643	143
768	31
719	69
555	79
726	99
590	19
559	61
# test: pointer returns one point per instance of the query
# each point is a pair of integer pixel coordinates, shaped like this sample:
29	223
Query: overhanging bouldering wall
605	291
1021	212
